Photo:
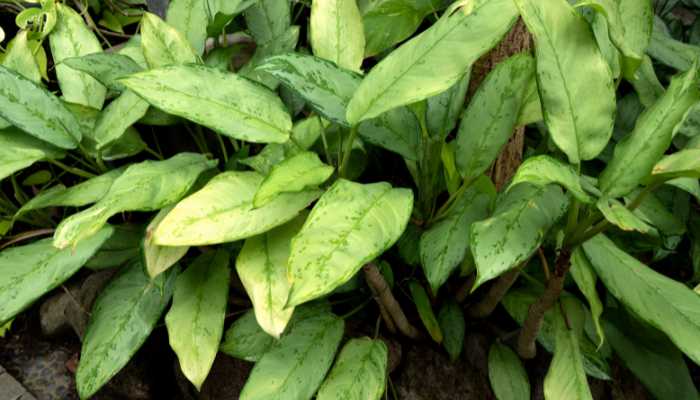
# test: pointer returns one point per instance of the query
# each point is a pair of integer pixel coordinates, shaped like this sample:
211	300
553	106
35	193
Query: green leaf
396	130
350	225
665	304
646	84
146	186
223	211
105	68
585	278
452	325
669	51
159	258
82	194
516	229
123	316
39	177
359	372
127	145
164	45
636	154
123	245
684	163
246	340
19	150
491	115
280	45
425	310
295	366
36	111
190	17
650	356
690	185
517	303
444	109
566	378
120	114
508	378
336	32
134	50
268	19
388	22
262	268
426	65
224	102
19	57
638	19
28	272
72	38
295	174
195	321
326	87
579	127
544	170
620	216
444	245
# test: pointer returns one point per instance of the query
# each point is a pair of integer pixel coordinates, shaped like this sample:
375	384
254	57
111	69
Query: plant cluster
341	149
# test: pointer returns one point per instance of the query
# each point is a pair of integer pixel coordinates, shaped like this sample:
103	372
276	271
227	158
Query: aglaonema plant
262	172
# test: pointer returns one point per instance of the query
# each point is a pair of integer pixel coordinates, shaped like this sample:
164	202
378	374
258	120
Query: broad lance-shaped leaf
435	60
19	56
28	272
222	211
635	155
283	44
246	340
350	225
444	245
19	150
124	245
516	229
388	22
566	378
326	87
119	115
665	49
666	304
162	44
295	365
651	357
336	32
585	278
36	111
425	310
121	320
491	115
396	130
82	194
302	171
517	303
619	215
160	258
452	325
508	378
224	102
685	163
146	186
105	67
262	268
443	110
190	17
543	170
359	372
195	321
579	127
72	38
268	19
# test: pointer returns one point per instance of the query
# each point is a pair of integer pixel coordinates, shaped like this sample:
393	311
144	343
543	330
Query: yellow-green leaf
336	32
359	372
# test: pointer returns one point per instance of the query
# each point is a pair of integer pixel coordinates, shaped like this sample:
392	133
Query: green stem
451	201
342	170
72	170
223	147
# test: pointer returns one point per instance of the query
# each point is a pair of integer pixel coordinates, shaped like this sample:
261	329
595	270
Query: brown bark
485	307
390	309
535	316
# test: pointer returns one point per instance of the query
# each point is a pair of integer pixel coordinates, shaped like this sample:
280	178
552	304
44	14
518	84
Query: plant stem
72	170
447	206
485	307
342	169
384	297
224	153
